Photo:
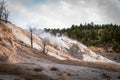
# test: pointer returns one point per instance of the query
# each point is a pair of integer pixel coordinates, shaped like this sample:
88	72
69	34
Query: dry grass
100	65
38	77
12	69
93	48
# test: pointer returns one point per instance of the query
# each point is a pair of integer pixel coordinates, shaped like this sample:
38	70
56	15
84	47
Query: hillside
66	59
106	36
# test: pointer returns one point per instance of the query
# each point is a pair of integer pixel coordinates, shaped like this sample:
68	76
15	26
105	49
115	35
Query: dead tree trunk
45	42
6	15
44	48
31	37
1	9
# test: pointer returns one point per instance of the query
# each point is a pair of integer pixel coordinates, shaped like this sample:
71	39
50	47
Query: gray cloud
107	10
64	13
111	9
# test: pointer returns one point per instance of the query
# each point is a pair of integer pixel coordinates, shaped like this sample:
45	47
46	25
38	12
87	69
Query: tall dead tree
31	37
2	8
4	13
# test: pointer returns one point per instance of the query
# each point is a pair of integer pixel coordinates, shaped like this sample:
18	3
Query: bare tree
45	43
4	13
31	37
1	9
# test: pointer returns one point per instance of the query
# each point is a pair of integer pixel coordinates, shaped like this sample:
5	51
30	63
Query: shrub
118	77
38	69
54	69
116	47
105	75
63	76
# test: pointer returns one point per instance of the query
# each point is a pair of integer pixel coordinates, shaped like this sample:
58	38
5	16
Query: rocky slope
64	60
62	47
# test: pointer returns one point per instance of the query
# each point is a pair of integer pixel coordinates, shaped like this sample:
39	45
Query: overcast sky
63	13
